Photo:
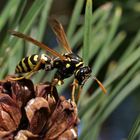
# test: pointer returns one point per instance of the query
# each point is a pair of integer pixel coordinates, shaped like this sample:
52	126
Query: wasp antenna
100	84
12	32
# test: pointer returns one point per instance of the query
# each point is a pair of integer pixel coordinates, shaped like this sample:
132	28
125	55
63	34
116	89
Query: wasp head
82	74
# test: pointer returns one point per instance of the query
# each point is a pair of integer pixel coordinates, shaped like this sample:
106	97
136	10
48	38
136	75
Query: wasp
66	64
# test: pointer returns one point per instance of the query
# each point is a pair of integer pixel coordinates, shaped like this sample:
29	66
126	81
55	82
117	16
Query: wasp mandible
67	64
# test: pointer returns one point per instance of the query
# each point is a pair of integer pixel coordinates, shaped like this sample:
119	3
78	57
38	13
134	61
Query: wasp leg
29	74
17	78
53	83
35	69
74	86
79	93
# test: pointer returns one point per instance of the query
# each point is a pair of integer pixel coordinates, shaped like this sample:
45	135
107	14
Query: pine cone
35	112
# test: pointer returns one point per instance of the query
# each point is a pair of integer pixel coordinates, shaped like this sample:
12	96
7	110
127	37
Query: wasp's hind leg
25	76
17	78
29	74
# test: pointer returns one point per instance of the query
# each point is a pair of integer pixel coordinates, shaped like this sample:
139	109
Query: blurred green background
107	35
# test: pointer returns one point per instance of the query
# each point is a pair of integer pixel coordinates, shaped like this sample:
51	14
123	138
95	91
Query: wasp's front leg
74	86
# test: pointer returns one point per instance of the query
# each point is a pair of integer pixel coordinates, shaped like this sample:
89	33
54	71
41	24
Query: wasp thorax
73	58
82	74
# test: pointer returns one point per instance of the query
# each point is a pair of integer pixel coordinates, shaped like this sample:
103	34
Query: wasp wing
60	33
39	44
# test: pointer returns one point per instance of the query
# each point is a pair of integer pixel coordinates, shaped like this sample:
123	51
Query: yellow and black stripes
27	64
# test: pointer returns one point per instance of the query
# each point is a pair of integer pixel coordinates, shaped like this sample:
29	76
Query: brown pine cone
35	112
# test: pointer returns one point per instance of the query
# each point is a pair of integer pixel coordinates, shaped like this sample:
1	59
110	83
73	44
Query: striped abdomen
27	64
